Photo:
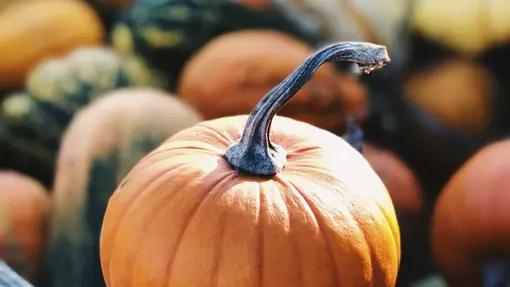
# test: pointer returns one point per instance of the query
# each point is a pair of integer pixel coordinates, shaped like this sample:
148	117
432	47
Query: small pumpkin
24	210
168	32
102	143
470	231
459	93
258	200
471	30
231	73
33	31
31	123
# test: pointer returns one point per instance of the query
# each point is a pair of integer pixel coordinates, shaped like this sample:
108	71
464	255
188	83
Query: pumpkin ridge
313	213
149	184
215	187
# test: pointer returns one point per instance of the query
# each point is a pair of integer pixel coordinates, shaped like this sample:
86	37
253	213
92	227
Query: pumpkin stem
254	154
354	135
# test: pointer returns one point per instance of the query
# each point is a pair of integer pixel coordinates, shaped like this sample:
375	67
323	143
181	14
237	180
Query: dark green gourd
32	122
102	144
168	32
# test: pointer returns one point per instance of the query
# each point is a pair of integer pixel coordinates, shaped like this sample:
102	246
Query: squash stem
354	135
254	154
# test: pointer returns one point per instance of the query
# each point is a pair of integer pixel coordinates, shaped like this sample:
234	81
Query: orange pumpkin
257	200
24	207
33	31
459	93
234	71
470	225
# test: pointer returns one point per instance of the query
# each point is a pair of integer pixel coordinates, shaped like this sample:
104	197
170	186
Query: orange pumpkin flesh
471	226
218	204
232	73
24	206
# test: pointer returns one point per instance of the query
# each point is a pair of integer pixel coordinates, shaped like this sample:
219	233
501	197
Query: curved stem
354	135
254	154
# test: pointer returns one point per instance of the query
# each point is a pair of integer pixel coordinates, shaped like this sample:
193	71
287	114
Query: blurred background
88	87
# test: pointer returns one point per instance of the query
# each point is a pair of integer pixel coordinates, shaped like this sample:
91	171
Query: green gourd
32	122
168	32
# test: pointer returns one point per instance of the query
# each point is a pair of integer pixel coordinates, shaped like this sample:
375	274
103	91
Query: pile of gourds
140	146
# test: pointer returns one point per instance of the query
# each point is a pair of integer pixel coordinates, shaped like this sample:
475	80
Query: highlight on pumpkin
254	194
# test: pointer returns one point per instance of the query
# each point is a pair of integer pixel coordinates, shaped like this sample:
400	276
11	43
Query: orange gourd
470	226
459	93
33	31
24	208
258	200
230	74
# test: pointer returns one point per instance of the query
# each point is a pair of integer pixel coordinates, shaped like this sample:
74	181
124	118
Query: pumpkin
470	230
351	20
33	31
31	123
10	278
168	32
24	206
102	143
459	93
231	73
476	27
258	200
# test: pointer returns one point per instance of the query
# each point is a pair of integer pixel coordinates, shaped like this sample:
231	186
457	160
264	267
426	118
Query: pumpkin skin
32	123
470	226
312	221
167	40
457	92
100	146
24	207
231	73
30	35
